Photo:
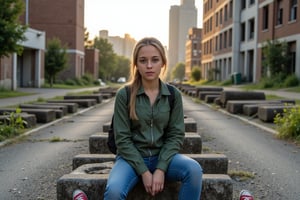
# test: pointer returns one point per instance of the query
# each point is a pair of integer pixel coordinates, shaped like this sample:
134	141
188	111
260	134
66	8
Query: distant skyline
138	18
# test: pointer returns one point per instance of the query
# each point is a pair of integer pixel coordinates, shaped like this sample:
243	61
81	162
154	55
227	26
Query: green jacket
157	132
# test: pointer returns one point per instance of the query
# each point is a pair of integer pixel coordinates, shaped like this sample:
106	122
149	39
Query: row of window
224	13
221	42
293	5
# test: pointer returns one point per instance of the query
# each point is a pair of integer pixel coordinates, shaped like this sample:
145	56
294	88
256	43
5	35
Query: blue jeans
123	178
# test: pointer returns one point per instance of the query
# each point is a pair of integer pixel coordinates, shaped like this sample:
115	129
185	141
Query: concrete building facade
121	46
63	20
234	33
193	50
181	19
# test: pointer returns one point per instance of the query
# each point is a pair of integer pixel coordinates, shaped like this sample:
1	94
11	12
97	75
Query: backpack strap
171	98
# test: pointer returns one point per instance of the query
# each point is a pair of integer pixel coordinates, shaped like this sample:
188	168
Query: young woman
148	133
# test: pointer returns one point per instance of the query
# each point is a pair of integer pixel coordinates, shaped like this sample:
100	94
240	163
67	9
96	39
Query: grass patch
4	93
240	175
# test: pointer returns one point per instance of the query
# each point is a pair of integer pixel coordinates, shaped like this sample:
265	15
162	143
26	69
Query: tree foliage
107	58
178	71
276	57
196	73
123	67
55	59
11	31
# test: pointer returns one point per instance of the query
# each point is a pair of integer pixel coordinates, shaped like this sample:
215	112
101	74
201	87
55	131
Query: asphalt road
30	168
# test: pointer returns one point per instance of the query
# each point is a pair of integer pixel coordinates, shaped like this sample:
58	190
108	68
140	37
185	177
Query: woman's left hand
158	181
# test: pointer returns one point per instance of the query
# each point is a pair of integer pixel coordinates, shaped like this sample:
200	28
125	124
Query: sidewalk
45	93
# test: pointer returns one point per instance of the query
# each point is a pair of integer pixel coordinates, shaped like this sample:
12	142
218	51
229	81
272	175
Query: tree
196	73
107	58
276	57
55	59
122	68
179	71
87	42
11	31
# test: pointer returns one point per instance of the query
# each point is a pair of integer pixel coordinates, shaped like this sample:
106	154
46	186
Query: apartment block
192	50
234	33
280	20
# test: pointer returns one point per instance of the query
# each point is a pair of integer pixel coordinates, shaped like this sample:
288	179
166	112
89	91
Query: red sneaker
246	195
79	195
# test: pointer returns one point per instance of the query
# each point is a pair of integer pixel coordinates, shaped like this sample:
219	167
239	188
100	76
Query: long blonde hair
135	77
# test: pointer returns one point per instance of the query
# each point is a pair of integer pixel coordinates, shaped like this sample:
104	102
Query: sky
138	18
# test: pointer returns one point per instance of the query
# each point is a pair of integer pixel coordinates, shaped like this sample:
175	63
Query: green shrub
70	82
291	81
288	123
12	125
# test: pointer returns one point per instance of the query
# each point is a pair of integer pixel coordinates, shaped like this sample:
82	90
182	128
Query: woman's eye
142	61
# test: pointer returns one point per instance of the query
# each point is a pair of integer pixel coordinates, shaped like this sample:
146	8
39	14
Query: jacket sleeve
123	137
174	134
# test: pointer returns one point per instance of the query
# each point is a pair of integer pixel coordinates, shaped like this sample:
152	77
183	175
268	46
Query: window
251	2
265	24
251	28
230	38
230	9
217	19
243	32
279	14
243	4
293	10
226	13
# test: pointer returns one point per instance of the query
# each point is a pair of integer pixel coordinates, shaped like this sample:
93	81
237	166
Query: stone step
189	123
211	98
91	178
228	95
64	109
71	107
97	97
267	113
211	163
237	106
42	115
30	119
192	143
202	94
82	103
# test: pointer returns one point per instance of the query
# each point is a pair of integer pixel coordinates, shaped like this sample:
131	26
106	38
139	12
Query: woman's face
149	63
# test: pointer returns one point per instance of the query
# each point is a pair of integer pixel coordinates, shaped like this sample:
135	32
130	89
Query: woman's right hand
147	181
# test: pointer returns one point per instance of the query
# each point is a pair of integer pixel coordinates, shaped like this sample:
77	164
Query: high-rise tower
181	19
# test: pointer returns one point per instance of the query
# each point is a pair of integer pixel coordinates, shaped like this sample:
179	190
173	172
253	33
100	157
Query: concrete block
97	97
42	115
228	95
30	119
211	163
71	107
190	125
91	178
82	103
267	113
192	143
55	107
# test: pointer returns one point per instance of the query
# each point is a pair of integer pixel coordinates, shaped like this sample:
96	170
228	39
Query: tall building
193	50
63	20
234	33
181	19
121	46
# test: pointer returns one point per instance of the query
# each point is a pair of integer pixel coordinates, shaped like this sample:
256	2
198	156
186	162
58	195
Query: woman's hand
147	181
158	180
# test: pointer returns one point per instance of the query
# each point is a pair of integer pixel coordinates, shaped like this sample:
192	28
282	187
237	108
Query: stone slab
267	113
211	98
97	97
82	103
30	119
71	107
192	143
203	94
228	95
55	107
91	178
42	115
189	123
211	163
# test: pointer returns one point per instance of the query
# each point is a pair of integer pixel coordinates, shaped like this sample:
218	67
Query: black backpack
111	135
